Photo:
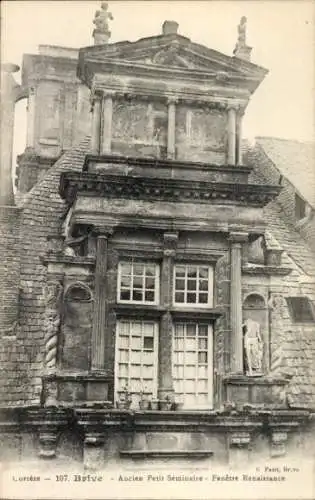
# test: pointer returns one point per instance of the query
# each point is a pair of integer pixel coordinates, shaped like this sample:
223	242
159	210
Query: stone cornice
162	163
141	188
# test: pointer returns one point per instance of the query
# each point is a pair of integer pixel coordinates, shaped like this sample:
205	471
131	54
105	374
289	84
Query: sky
282	34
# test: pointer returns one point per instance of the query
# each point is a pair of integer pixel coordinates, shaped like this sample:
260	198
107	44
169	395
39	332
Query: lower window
136	359
193	365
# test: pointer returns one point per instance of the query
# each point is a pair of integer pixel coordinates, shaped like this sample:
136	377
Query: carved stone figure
52	296
241	40
102	17
101	32
253	347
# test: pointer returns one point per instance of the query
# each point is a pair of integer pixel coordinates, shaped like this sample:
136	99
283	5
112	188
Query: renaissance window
192	364
193	285
136	359
138	282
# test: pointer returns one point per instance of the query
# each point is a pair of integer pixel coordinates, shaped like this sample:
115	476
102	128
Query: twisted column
52	297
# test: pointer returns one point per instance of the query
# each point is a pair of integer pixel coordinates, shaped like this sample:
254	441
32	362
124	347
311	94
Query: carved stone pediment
165	52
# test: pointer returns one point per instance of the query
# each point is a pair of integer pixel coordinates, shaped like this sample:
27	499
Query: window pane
138	269
203	330
179	329
180	271
191	330
124	342
148	329
203	285
192	272
148	342
190	371
149	296
202	357
190	344
136	328
203	298
180	284
125	268
124	294
125	281
137	295
203	343
149	283
191	284
191	298
137	282
150	270
203	272
179	297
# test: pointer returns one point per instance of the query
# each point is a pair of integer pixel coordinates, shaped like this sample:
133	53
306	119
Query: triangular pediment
173	52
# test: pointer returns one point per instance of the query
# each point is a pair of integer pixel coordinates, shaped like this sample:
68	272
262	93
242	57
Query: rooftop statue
102	17
242	31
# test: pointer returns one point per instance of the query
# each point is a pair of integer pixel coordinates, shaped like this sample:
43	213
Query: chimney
169	28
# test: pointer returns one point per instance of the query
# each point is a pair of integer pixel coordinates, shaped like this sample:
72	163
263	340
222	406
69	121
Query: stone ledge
65	259
266	270
165	454
162	163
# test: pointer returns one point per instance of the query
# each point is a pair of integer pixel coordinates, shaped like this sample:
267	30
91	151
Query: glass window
138	282
192	365
136	359
193	285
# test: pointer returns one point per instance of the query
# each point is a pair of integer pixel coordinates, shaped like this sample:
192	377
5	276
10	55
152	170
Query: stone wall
201	134
139	128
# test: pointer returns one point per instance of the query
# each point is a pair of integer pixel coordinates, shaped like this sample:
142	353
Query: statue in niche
253	348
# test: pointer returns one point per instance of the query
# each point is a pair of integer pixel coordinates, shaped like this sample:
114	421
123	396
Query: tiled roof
295	160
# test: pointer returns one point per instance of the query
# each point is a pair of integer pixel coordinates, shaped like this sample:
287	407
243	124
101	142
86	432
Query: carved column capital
102	231
238	237
172	99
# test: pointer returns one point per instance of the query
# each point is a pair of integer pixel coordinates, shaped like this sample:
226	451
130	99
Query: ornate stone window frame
143	262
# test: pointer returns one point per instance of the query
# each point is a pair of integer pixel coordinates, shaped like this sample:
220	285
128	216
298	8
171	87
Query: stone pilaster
165	379
96	123
30	130
231	153
239	123
99	344
236	358
171	128
107	123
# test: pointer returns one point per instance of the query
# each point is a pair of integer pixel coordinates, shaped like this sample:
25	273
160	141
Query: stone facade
153	221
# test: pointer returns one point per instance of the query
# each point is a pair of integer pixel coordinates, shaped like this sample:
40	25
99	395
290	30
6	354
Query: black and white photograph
157	255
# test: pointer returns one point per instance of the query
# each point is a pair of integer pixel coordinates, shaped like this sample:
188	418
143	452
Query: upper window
138	282
301	309
193	285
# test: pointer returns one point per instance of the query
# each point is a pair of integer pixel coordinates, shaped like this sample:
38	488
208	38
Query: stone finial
169	28
101	33
242	50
